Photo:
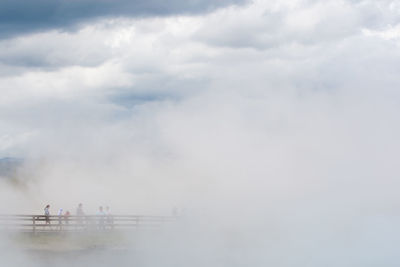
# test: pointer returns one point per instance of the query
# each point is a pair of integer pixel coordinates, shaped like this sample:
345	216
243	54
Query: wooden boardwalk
54	223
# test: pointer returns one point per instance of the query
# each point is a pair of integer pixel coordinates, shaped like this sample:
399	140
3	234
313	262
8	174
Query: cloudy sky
293	102
72	71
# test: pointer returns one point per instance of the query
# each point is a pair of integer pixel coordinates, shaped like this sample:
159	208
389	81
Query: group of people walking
101	220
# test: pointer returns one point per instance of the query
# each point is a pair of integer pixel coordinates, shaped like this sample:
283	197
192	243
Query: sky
284	111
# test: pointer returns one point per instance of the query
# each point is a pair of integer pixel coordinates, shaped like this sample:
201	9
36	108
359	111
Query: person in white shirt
60	215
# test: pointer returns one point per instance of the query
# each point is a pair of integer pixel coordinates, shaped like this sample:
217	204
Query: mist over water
271	127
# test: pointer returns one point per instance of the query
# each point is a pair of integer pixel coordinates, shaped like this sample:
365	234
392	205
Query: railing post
34	224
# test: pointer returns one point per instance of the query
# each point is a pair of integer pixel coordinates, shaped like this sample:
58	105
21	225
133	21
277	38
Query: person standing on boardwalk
47	214
80	214
79	210
110	219
60	215
66	217
100	216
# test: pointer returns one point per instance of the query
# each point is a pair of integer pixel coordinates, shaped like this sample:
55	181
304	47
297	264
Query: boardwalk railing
53	223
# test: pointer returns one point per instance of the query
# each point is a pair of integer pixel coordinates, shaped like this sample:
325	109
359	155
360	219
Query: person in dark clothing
47	214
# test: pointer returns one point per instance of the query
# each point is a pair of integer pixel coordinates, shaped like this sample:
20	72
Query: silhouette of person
47	213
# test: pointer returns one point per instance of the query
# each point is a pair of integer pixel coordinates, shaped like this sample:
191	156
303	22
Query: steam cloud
274	126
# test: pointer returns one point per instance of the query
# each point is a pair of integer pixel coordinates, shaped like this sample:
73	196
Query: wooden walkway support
54	223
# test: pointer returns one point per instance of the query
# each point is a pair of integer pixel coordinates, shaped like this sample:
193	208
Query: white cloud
285	111
391	33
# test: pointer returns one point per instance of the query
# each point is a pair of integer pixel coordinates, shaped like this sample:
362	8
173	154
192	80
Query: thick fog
272	127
